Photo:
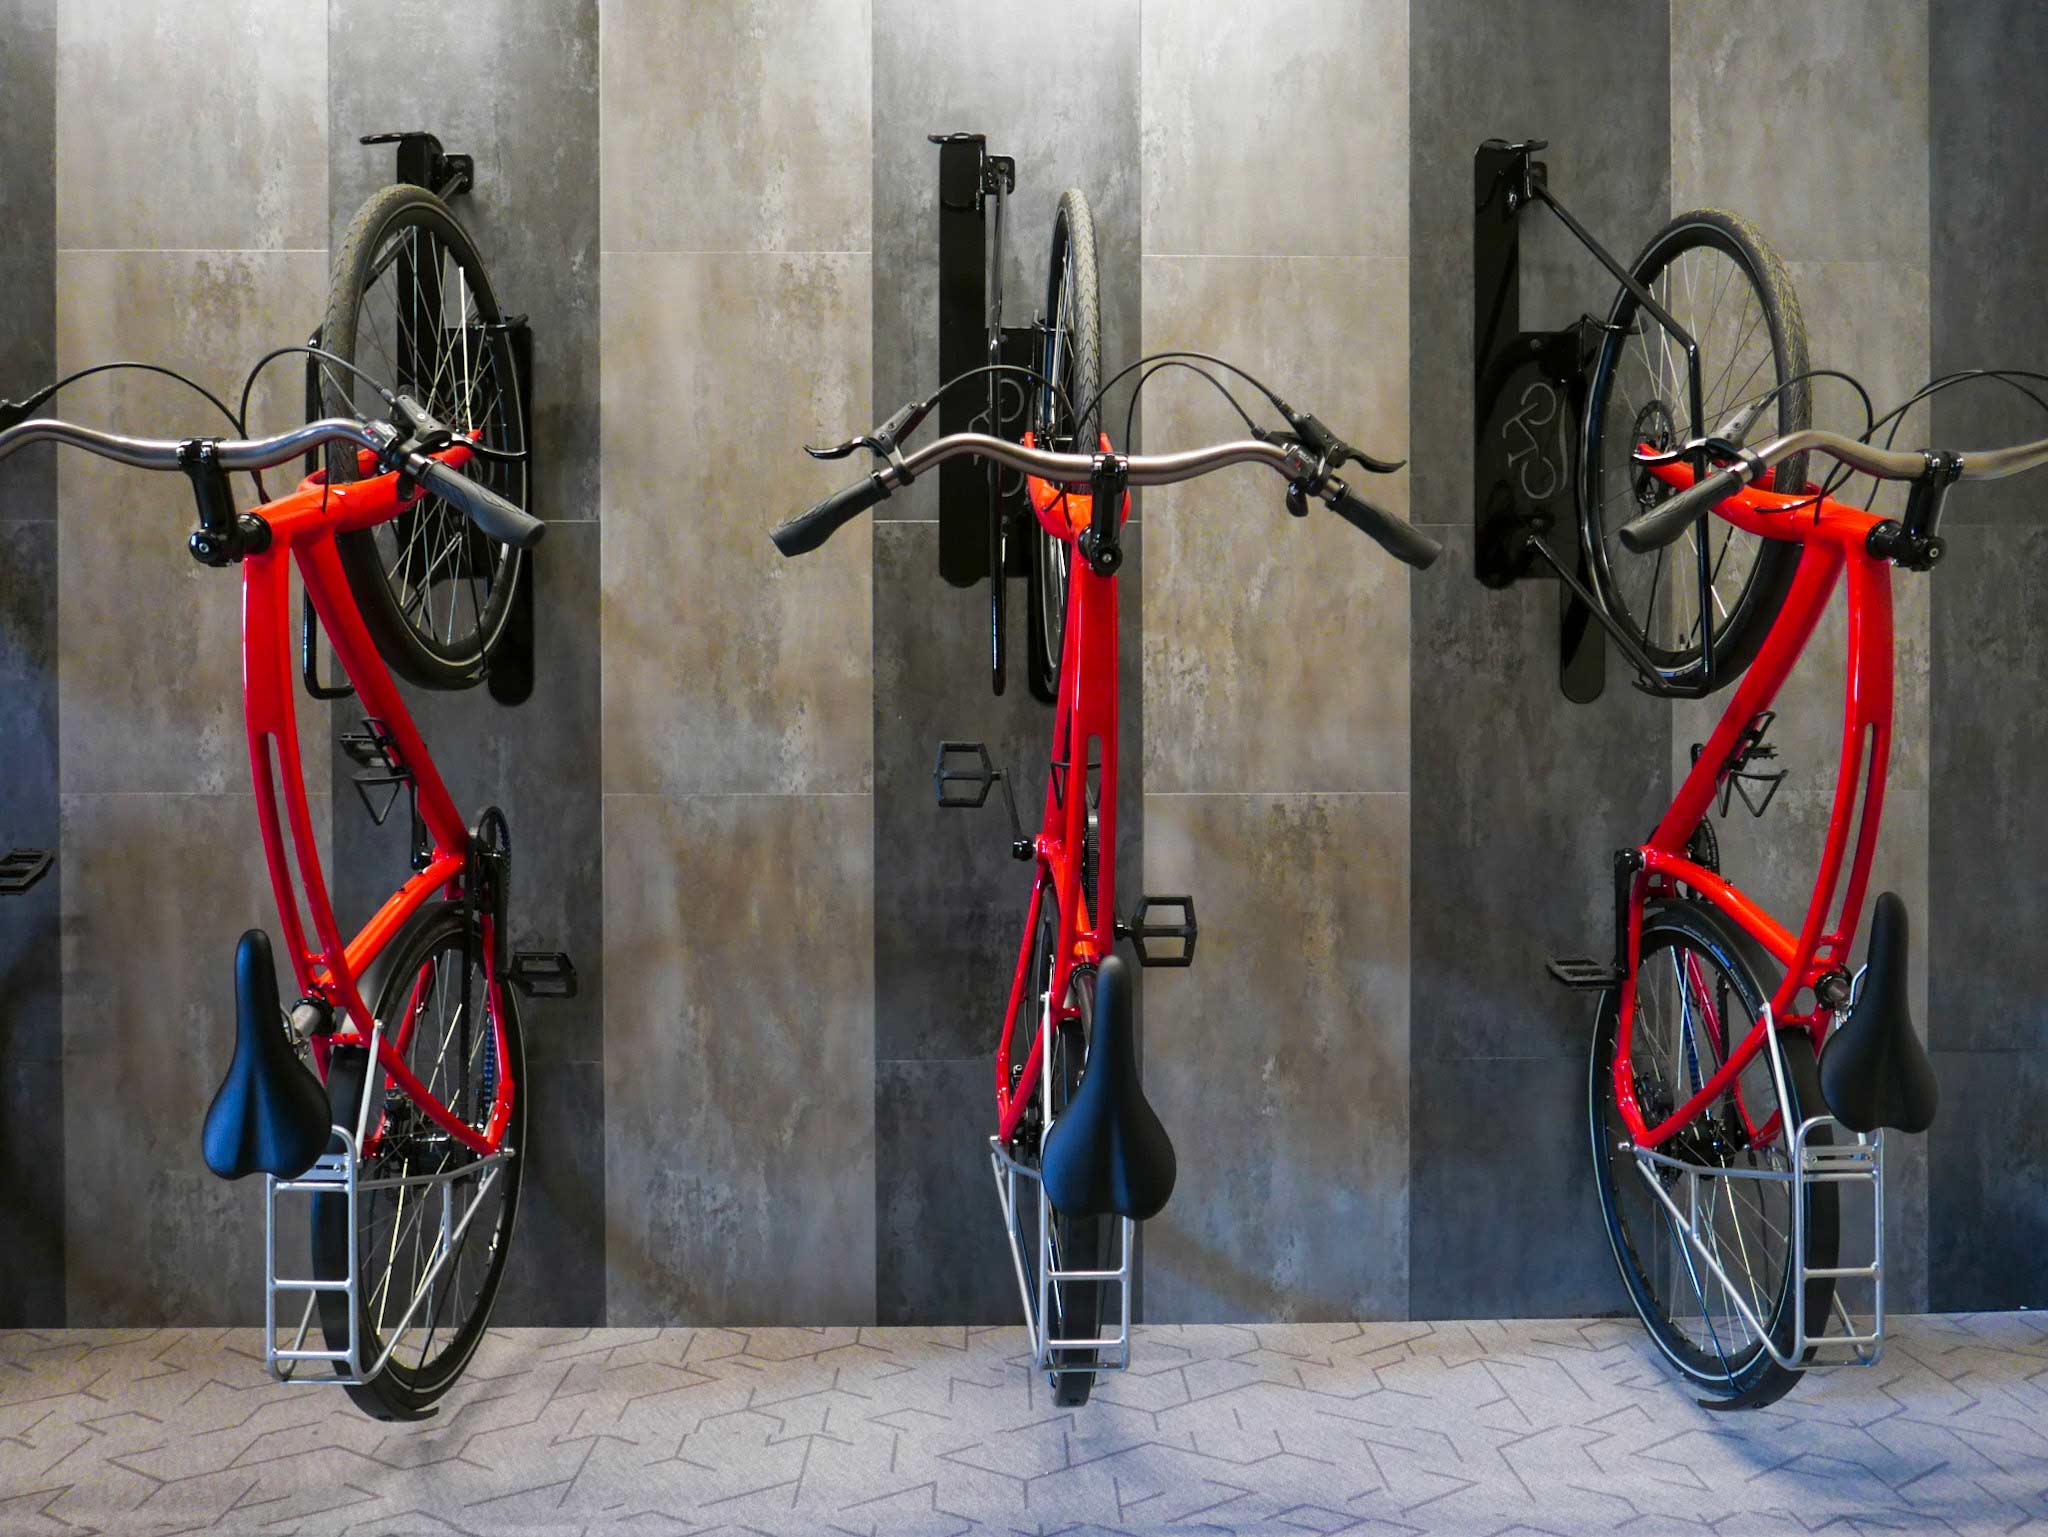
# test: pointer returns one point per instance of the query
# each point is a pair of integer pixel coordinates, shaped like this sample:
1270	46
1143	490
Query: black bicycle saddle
1873	1071
1108	1155
270	1114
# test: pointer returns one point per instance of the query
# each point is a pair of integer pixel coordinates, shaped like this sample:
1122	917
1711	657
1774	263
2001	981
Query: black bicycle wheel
412	306
1074	1310
1071	356
1700	987
1718	279
428	991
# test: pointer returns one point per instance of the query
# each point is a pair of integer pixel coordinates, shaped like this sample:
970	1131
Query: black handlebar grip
490	512
1399	539
1667	520
806	531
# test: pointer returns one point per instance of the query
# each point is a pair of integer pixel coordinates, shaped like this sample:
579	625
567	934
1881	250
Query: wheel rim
1689	1011
426	324
1641	394
446	1043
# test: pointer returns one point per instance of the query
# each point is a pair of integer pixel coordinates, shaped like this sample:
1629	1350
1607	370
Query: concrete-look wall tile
719	135
1987	1223
1989	991
726	666
1280	1059
941	1254
536	763
32	1152
949	900
28	785
1835	168
150	663
28	150
1277	653
1521	799
158	890
515	87
925	82
1276	129
192	126
555	1276
1990	118
739	1059
1508	1225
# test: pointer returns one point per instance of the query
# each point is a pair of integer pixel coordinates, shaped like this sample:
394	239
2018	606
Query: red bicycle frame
1833	539
1084	734
303	526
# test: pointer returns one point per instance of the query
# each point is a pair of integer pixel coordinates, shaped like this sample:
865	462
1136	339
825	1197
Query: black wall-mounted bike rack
984	515
509	673
1529	396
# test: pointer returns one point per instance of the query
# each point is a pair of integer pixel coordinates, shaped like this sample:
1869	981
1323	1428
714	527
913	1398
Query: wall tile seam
1274	256
714	795
735	251
1151	794
191	250
242	794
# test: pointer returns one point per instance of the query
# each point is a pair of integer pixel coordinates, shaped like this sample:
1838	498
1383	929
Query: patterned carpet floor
1489	1428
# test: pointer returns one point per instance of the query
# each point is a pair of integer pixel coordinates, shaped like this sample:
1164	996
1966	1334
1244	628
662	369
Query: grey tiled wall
191	231
1847	211
738	866
1520	796
1276	689
770	1103
515	87
949	902
31	1035
1988	970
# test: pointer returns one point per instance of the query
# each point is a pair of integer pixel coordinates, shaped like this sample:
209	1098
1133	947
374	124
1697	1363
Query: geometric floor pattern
1493	1428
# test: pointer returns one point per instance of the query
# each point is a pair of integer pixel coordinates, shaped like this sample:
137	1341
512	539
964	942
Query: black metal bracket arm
423	163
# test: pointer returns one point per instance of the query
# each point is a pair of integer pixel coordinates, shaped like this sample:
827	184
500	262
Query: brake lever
884	441
1312	434
1716	447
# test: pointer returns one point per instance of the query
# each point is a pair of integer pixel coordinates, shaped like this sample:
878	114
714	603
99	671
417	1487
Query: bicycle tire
1072	355
407	1391
401	230
1750	1378
1612	491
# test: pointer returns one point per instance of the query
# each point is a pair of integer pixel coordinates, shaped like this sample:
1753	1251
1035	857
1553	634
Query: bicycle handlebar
498	518
1662	524
808	530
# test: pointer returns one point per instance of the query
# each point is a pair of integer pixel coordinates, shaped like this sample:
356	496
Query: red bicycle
390	1091
1071	1115
1741	1077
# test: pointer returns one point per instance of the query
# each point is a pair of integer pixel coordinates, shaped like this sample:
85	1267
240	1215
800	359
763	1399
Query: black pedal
543	974
978	770
22	868
370	747
1583	974
1143	934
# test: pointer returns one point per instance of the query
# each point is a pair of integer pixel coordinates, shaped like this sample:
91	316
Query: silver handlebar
162	453
1145	469
1884	463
